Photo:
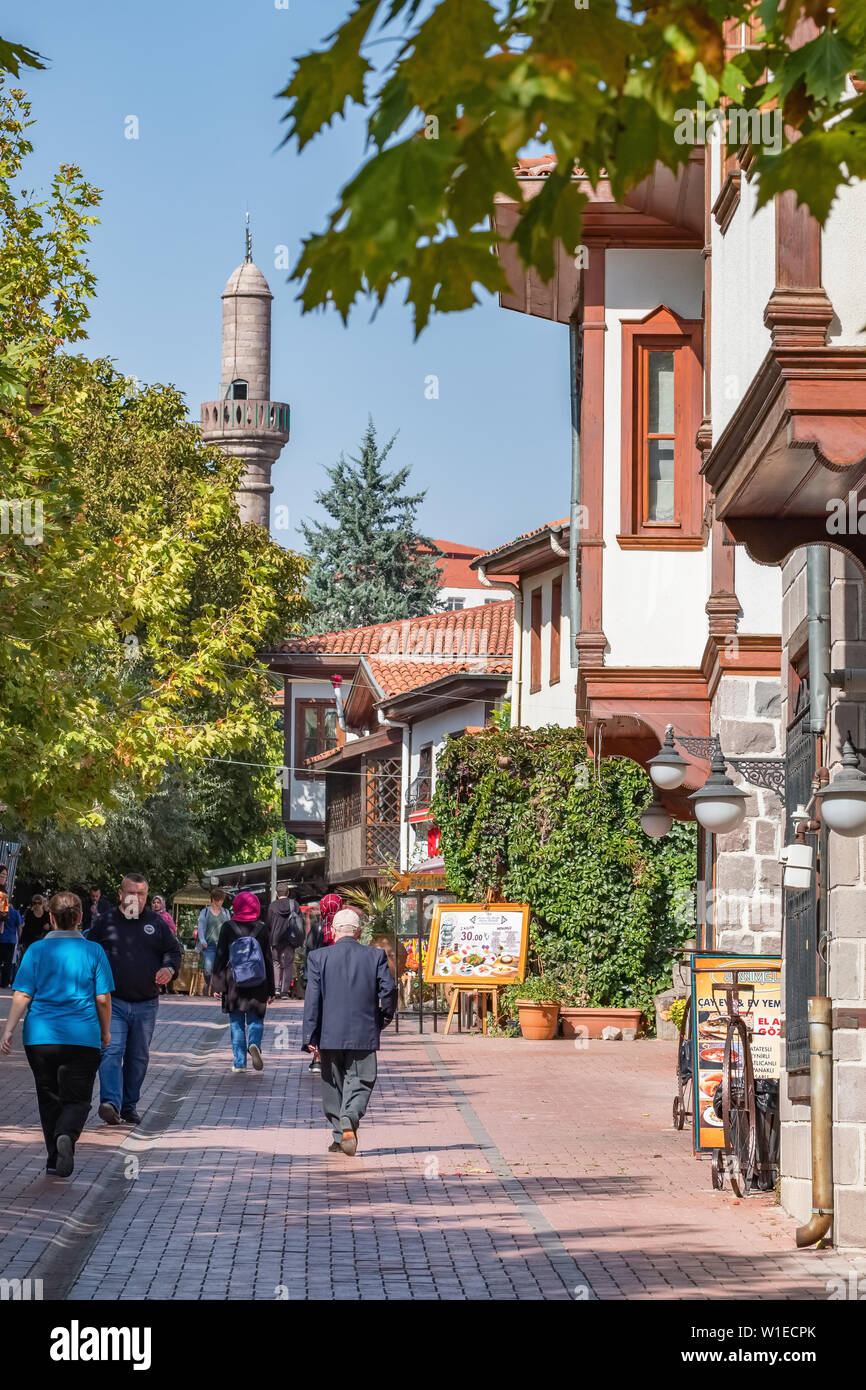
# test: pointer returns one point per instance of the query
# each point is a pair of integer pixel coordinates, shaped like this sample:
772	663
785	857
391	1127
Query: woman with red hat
243	972
322	934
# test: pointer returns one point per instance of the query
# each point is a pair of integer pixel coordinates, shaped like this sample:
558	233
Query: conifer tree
371	565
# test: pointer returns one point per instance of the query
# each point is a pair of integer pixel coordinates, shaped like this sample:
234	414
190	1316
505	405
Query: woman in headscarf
243	971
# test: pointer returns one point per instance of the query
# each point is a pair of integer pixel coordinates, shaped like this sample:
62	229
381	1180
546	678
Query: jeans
246	1029
125	1059
64	1076
284	962
208	956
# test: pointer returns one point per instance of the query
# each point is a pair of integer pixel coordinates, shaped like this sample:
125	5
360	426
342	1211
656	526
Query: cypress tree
371	565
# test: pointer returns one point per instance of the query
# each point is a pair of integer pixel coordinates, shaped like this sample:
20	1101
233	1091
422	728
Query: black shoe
334	1148
108	1113
315	1068
130	1116
65	1156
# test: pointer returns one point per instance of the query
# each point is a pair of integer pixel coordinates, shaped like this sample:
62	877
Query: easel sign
479	944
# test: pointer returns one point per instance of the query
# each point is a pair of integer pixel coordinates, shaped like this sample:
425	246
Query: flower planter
537	1021
588	1023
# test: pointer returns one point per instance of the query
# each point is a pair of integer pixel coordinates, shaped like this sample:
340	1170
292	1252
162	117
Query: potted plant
537	1002
377	906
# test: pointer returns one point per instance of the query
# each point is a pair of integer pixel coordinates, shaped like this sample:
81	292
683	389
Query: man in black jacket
144	953
351	996
286	932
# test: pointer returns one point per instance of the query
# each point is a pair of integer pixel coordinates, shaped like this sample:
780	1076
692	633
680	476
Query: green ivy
525	816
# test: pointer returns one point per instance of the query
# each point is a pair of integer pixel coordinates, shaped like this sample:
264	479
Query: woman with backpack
243	971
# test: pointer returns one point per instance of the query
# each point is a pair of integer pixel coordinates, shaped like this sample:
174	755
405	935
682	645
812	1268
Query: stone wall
746	907
843	908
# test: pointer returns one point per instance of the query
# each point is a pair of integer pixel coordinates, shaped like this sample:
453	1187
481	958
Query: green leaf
324	82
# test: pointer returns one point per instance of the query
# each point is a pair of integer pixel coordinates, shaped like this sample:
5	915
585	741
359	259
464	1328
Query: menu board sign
758	984
478	943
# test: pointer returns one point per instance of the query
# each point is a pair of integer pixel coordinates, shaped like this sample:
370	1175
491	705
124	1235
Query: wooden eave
795	445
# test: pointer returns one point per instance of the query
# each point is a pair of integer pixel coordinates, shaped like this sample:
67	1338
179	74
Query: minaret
245	422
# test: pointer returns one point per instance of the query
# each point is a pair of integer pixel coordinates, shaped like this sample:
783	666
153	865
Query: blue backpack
247	962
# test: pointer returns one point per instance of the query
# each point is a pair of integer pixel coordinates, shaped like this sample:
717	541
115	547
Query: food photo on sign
478	943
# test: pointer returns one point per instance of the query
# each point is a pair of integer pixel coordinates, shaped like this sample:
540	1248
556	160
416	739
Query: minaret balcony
230	418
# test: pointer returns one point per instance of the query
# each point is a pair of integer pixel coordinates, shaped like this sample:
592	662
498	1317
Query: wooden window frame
661	331
555	631
301	706
535	621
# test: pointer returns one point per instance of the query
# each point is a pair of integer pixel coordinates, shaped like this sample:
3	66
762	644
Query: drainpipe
517	640
820	1072
818	610
574	532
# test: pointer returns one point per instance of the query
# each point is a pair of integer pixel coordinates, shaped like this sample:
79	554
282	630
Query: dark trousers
348	1079
7	951
64	1077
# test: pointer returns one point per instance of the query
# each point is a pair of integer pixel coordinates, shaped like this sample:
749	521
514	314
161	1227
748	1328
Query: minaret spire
249	240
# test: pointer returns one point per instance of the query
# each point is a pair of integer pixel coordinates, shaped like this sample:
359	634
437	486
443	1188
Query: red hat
246	908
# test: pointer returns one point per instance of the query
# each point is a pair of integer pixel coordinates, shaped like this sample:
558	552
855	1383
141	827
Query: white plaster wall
842	248
653	606
552	704
472	598
759	589
743	276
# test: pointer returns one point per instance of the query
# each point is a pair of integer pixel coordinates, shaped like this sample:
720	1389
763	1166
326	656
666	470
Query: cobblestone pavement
487	1168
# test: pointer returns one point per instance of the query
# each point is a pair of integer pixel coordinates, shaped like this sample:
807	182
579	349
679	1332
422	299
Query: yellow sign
477	943
757	985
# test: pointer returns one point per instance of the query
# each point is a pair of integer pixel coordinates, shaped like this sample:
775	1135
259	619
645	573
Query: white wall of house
467	598
759	589
435	731
744	276
552	704
653	613
842	265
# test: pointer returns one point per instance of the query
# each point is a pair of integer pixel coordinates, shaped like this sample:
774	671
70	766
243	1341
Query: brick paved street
488	1168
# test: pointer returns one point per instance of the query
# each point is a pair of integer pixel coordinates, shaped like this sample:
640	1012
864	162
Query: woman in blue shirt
66	981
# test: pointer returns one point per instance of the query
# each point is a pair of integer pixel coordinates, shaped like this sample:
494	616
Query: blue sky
493	451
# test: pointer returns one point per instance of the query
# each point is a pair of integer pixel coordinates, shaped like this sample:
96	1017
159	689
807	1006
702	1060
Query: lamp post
720	806
656	820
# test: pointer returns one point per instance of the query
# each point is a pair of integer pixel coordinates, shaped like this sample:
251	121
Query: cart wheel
738	1109
717	1172
679	1113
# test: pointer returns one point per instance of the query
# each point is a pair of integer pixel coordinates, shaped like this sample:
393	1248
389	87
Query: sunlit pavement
487	1168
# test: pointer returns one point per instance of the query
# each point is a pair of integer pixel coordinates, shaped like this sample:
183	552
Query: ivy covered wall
523	815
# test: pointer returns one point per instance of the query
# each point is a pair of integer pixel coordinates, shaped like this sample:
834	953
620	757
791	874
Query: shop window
535	642
555	630
662	490
316	731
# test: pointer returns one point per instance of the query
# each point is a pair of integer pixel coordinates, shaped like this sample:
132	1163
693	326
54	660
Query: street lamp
655	820
843	800
719	805
668	769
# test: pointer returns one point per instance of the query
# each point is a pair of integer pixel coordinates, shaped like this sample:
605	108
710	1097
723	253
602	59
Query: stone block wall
746	713
843	909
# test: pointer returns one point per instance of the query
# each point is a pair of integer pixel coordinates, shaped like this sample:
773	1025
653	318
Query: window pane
330	728
311	731
661	393
660	503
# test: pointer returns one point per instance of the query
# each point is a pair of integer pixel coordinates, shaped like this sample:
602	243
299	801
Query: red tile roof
454	564
411	652
527	535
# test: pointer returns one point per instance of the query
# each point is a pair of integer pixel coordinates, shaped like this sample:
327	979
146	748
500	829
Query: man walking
144	953
351	996
286	933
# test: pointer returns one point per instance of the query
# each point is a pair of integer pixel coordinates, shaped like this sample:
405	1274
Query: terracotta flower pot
588	1023
537	1021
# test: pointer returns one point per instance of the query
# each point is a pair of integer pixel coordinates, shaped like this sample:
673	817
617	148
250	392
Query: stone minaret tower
245	422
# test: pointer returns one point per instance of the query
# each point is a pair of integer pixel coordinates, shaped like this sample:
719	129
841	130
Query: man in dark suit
351	996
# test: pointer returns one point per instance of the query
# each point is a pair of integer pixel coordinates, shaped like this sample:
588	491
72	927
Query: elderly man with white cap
351	996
